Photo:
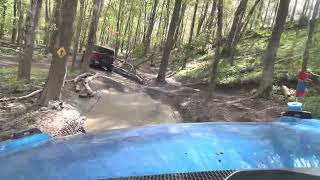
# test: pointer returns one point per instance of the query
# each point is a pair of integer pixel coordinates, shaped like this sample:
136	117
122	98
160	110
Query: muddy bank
194	105
59	119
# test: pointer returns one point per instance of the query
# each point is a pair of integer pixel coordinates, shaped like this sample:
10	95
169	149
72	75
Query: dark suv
102	58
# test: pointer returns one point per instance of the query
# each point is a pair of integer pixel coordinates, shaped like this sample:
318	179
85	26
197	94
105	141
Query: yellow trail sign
61	52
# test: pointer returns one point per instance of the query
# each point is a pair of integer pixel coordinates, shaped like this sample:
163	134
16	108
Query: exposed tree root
128	74
21	97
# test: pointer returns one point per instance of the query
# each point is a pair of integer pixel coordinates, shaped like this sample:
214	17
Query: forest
203	58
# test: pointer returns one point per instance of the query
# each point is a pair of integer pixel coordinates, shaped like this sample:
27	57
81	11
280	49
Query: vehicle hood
172	148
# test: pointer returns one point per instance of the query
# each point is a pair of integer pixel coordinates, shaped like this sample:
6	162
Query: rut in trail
120	103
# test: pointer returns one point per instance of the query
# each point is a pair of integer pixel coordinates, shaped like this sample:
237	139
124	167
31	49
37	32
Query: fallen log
78	87
21	97
86	85
128	75
286	91
81	76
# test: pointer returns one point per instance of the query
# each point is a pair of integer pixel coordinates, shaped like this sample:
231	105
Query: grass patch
312	104
8	79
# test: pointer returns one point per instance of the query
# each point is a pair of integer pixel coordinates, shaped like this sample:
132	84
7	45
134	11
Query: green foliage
200	45
248	64
312	104
8	79
138	51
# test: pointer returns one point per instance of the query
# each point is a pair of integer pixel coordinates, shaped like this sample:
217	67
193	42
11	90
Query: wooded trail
120	103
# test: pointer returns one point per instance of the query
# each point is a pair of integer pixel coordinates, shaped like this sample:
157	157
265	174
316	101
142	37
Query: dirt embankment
195	105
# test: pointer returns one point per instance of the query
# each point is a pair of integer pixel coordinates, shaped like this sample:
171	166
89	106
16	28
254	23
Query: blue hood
175	148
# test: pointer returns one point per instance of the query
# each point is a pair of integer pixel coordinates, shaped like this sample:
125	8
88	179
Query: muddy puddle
120	103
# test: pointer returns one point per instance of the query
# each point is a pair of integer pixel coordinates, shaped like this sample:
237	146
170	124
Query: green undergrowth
9	82
312	104
248	65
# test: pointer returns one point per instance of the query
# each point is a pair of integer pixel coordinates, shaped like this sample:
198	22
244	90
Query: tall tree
20	22
293	14
97	4
266	13
88	14
14	22
189	46
193	22
58	68
32	20
275	12
147	40
169	43
312	27
3	20
238	17
269	59
241	29
210	22
310	9
137	29
177	32
54	24
217	55
48	24
202	18
78	33
304	12
119	18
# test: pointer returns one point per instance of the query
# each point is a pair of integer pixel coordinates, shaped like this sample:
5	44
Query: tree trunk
210	22
166	23
266	14
169	43
241	29
269	59
303	14
20	22
55	21
104	25
193	22
177	32
150	28
218	40
293	14
119	17
312	28
310	9
97	5
126	28
136	34
48	24
238	17
77	37
247	20
161	17
275	13
3	20
202	18
58	68
85	26
30	36
14	24
189	46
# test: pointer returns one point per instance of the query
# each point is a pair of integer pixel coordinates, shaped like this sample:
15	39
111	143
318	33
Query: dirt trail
121	103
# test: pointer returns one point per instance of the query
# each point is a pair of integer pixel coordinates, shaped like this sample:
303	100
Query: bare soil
121	103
